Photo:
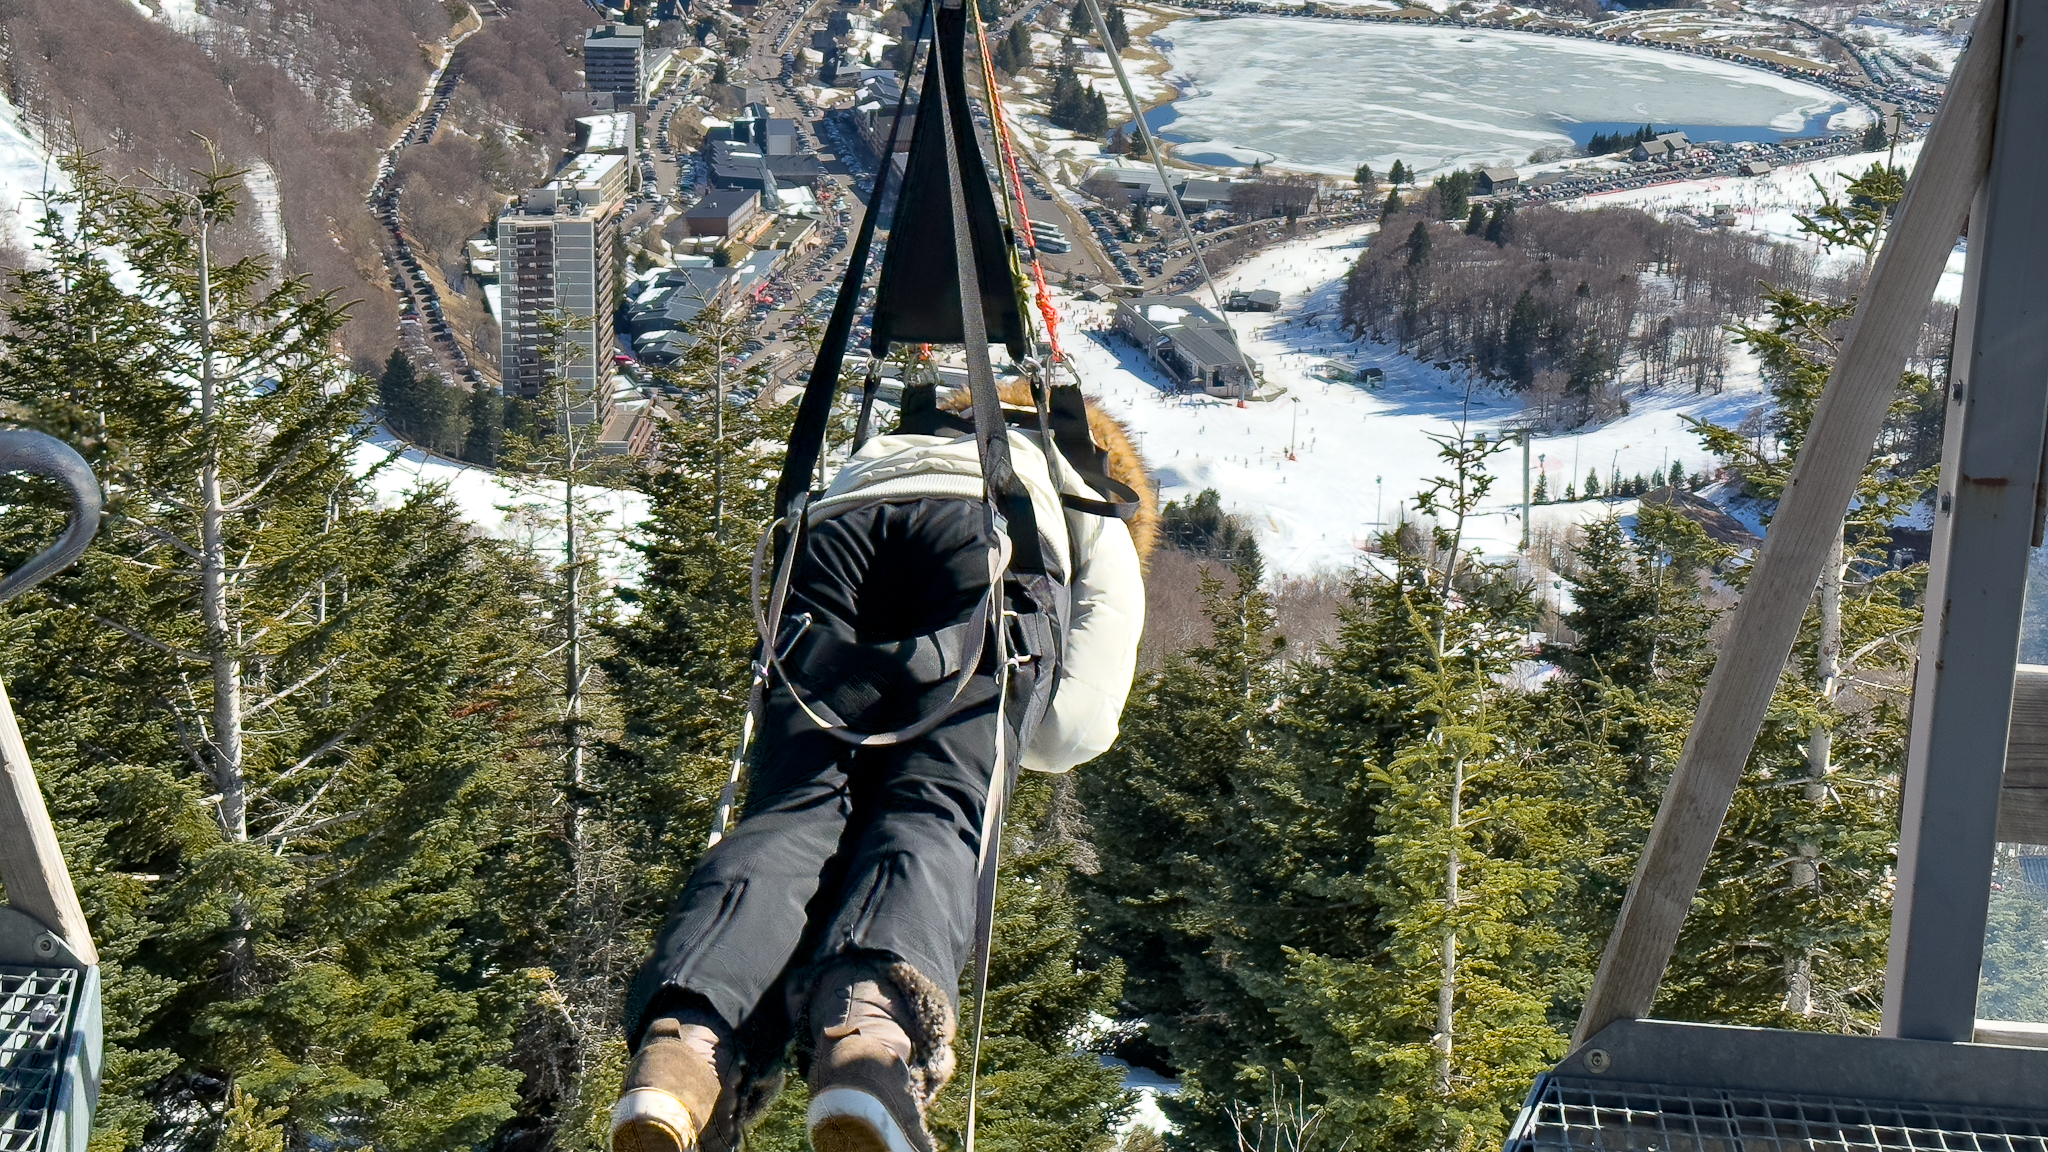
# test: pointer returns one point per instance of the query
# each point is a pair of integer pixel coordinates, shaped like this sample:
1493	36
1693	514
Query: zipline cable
1116	63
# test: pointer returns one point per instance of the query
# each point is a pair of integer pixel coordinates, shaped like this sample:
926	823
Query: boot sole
650	1120
849	1120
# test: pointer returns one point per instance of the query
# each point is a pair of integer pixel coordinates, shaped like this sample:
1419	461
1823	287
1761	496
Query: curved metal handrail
40	454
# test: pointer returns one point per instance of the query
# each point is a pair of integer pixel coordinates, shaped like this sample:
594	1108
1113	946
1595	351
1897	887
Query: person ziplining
963	600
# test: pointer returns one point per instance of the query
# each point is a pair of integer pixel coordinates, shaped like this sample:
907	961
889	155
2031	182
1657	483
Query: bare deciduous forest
1551	301
305	92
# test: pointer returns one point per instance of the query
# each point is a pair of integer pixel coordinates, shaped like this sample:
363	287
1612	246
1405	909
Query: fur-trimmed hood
1125	465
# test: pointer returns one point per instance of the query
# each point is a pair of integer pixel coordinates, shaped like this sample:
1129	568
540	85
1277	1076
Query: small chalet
1498	181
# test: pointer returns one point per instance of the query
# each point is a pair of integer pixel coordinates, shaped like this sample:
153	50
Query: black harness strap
1007	495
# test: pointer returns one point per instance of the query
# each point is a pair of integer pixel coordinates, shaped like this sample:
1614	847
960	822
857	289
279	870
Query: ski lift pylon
1926	1081
49	970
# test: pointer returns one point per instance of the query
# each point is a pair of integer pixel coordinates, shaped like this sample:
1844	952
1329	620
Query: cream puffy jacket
1106	592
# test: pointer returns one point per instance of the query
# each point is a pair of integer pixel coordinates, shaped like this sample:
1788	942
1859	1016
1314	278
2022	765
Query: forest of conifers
373	814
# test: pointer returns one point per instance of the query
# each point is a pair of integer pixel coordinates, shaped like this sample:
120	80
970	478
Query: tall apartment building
558	254
615	61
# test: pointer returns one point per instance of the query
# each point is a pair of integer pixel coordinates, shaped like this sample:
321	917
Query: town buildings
558	253
874	109
615	61
724	212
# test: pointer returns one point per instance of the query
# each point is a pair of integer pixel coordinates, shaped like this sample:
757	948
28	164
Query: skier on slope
840	910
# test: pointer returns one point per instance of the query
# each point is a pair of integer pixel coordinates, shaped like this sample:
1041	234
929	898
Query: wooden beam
2023	802
31	863
2012	1033
1809	516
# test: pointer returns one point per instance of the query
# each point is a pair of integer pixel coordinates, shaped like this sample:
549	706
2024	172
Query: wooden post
1838	445
1984	526
31	863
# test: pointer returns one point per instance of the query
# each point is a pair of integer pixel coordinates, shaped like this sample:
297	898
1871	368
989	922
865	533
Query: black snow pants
856	853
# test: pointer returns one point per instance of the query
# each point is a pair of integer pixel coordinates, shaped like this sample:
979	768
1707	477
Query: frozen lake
1326	95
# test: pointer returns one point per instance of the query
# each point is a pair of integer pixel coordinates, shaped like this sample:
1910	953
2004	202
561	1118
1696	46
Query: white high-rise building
558	255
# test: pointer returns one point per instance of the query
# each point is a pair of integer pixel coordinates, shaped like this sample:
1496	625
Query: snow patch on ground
261	181
1943	50
1148	1086
184	16
502	509
26	172
1361	454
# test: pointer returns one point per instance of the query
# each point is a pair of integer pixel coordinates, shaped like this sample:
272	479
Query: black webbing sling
935	197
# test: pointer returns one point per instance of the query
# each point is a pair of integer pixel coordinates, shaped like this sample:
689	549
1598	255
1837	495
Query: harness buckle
803	624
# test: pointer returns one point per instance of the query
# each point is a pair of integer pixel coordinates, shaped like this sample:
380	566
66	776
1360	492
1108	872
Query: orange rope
1008	149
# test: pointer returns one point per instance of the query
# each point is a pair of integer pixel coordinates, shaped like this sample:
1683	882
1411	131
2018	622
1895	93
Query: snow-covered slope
26	172
1361	454
503	509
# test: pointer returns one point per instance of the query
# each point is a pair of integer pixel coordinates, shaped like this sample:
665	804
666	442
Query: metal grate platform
35	1020
1569	1114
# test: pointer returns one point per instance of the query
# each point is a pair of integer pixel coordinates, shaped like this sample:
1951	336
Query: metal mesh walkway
1569	1114
35	1015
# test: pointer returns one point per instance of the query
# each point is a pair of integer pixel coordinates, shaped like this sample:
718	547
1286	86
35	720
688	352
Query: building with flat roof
615	61
607	132
1192	345
1140	182
723	212
559	256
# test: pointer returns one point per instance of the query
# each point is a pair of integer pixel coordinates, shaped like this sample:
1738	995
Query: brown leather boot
671	1087
863	1095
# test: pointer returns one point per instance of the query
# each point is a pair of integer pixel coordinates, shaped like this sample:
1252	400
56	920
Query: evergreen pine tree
2014	985
1013	54
1525	330
1454	191
419	407
1119	34
1432	1039
1418	245
1542	493
1428	1035
1187	894
1475	224
1399	175
484	418
1592	488
1038	1090
1363	177
1391	207
1500	227
1200	526
248	1126
275	713
1817	811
